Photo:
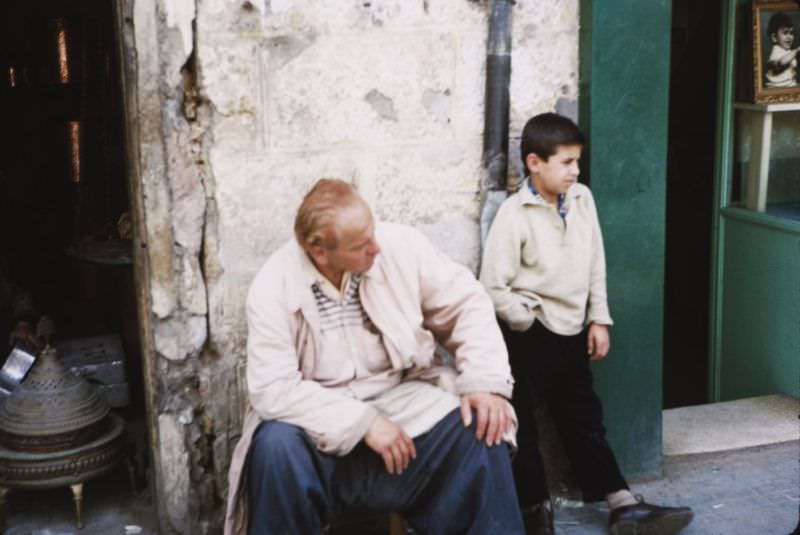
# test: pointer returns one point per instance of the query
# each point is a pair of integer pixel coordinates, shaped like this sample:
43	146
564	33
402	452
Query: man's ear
318	254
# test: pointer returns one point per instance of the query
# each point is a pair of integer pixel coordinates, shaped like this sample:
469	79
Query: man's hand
23	332
493	412
392	443
598	341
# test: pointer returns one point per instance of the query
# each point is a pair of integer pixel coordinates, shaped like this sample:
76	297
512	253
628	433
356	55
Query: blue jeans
455	485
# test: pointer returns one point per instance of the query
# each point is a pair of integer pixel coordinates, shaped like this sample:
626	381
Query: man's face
784	37
555	176
356	248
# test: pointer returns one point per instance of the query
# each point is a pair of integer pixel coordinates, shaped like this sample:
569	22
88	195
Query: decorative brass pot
52	410
56	430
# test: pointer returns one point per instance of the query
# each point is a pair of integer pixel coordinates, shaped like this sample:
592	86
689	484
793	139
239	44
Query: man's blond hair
315	222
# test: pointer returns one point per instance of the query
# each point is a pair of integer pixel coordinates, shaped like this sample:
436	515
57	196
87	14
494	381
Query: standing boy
544	268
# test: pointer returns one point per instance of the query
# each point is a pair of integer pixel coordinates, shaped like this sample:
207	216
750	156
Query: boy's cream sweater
538	266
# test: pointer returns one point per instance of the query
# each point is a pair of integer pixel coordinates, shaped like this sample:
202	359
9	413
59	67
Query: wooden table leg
131	475
397	524
3	493
77	496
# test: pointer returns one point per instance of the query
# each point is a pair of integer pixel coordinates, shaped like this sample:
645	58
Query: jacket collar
301	274
376	272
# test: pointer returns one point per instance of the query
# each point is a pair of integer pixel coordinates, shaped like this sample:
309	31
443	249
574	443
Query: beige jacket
415	296
538	266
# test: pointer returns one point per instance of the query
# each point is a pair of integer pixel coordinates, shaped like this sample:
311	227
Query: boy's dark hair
543	134
777	21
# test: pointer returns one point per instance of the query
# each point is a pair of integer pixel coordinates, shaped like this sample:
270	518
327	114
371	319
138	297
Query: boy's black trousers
555	369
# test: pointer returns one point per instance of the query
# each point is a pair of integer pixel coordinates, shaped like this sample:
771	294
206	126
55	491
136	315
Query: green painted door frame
755	303
722	168
624	85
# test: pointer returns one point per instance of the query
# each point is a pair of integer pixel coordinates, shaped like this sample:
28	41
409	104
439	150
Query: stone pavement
754	491
109	508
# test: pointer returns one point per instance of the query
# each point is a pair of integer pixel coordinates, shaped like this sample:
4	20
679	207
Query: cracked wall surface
238	107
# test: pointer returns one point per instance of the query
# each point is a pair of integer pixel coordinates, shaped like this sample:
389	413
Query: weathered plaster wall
240	105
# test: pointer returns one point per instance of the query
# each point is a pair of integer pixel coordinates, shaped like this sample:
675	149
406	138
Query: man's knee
277	443
482	454
285	490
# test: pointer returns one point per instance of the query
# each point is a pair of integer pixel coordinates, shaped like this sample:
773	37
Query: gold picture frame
776	51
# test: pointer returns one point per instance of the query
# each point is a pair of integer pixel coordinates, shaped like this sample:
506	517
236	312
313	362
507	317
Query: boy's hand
599	341
389	441
494	416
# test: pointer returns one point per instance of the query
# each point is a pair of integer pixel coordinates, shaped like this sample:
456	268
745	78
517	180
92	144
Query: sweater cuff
599	315
353	435
501	387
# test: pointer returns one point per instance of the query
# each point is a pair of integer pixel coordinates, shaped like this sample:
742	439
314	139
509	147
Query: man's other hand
392	443
598	341
493	413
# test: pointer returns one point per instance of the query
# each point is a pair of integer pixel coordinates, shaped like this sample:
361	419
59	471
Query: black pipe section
498	75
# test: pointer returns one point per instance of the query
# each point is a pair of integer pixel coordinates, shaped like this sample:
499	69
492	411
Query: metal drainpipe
495	135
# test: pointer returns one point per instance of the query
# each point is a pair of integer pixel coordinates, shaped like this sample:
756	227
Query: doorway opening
690	190
65	207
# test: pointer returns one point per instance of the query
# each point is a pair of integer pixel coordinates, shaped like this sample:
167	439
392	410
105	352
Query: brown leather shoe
647	519
539	519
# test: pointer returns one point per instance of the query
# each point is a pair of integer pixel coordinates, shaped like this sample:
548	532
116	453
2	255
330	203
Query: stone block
469	89
227	322
419	184
240	133
159	242
179	17
231	16
345	90
180	337
192	285
555	15
545	69
174	470
457	236
187	196
373	15
459	14
231	75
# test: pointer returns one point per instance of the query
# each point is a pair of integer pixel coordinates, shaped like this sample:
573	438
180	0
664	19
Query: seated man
349	404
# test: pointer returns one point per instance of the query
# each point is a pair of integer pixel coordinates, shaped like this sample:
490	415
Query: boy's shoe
538	519
647	519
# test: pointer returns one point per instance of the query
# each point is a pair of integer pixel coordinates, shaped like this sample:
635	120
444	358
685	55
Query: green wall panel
625	54
760	344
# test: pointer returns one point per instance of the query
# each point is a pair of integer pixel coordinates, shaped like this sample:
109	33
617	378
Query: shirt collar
562	205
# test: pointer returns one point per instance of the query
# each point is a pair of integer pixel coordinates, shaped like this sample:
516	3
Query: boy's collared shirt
562	205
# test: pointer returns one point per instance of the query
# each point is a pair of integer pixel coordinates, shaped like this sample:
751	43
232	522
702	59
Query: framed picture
776	50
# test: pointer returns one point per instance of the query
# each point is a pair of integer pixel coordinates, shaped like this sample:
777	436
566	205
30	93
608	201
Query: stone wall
235	108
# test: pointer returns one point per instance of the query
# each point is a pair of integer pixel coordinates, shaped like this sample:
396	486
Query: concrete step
731	425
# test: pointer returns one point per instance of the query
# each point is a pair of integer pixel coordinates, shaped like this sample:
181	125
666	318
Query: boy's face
555	175
784	37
